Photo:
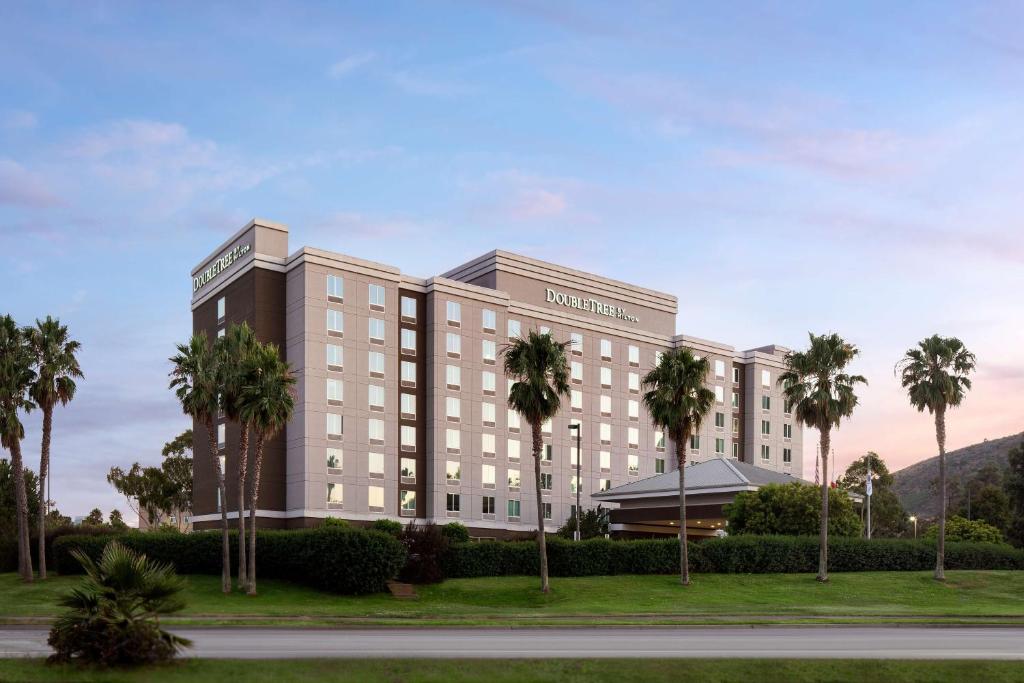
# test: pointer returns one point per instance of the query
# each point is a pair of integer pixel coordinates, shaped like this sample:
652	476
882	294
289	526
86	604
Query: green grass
518	671
874	596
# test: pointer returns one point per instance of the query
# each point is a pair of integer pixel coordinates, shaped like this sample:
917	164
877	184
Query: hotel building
401	410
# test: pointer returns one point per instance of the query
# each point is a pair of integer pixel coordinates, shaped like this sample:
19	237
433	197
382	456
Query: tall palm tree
821	393
195	381
267	403
677	398
56	370
16	377
538	364
235	352
935	375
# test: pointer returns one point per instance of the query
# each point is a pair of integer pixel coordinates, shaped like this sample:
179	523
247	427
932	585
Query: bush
455	532
388	526
960	529
331	558
791	509
336	521
426	546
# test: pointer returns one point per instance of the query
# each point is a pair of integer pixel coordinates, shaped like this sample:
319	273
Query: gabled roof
714	475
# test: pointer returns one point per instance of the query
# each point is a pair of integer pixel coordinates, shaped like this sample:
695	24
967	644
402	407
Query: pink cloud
21	187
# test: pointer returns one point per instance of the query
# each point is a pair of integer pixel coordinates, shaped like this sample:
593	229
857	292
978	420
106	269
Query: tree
991	504
194	380
56	371
888	518
8	497
16	377
177	468
973	530
677	398
55	520
593	524
1014	485
790	510
935	375
94	518
117	522
539	366
821	393
267	402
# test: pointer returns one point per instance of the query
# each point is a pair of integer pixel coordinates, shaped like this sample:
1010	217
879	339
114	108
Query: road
873	642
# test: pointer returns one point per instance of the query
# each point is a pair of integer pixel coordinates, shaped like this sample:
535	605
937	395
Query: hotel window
222	308
633	409
633	437
487	414
719	394
513	509
515	330
735	425
453	344
335	498
221	332
606	349
334	426
576	400
735	375
695	442
576	343
720	369
633	464
606	378
408	405
573	452
606	406
487	445
489	320
488	382
659	440
787	407
513	420
453	376
787	431
766	379
544	329
453	472
634	355
375	498
657	357
735	399
453	408
605	432
736	450
659	465
375	465
376	363
454	311
787	456
409	340
545	426
452	440
377	297
634	382
574	483
512	449
766	427
487	476
546	452
766	453
375	428
509	383
222	436
222	462
335	392
513	480
546	481
719	446
576	371
409	308
719	421
408	437
408	470
408	499
335	459
408	373
487	505
766	402
489	350
335	357
452	503
606	484
375	395
546	509
335	323
335	288
605	459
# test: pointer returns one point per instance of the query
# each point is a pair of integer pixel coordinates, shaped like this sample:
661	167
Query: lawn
875	596
517	671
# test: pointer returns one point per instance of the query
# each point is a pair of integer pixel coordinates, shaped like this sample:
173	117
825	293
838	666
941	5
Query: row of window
407	502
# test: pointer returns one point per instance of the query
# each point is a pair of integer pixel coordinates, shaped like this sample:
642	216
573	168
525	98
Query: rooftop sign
219	266
587	304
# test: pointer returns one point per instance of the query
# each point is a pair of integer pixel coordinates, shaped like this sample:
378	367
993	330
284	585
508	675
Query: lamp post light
579	480
913	519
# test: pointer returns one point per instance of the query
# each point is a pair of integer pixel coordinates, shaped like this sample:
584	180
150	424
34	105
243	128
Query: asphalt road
869	642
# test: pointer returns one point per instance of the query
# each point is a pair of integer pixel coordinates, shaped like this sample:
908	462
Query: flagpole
867	491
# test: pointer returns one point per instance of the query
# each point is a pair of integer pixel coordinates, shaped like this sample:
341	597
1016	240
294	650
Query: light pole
579	480
914	520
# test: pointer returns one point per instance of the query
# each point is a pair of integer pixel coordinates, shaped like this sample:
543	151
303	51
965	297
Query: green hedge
336	559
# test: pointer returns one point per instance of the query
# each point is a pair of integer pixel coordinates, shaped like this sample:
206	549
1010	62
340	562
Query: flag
867	484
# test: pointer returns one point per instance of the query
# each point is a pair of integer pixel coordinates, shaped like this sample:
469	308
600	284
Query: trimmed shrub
426	546
455	532
960	529
388	526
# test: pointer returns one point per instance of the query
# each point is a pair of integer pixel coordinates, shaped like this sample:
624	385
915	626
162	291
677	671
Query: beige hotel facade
401	410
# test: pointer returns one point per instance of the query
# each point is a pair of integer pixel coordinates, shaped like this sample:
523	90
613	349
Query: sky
780	167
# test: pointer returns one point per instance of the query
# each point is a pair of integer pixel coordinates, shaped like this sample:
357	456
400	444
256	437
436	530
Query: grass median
965	597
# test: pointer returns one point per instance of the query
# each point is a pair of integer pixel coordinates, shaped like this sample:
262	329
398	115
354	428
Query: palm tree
935	377
538	364
677	398
267	403
235	350
16	377
194	379
821	393
56	371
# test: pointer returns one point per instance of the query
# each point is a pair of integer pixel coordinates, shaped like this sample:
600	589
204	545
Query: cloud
18	119
521	197
420	84
354	225
21	187
346	66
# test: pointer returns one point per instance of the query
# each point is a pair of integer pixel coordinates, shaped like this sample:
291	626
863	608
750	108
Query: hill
913	485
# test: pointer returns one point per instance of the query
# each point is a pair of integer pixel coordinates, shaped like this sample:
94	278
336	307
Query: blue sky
780	167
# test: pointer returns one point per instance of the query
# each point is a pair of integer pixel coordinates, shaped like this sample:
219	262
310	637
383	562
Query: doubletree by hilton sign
586	304
218	266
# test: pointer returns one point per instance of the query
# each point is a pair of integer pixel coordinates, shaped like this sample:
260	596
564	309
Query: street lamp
579	481
914	520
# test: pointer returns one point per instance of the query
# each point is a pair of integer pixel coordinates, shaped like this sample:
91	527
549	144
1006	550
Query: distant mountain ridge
913	484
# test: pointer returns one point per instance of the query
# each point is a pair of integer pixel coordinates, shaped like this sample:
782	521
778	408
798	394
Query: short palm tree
56	371
16	377
195	381
821	393
935	375
677	398
267	403
235	355
539	366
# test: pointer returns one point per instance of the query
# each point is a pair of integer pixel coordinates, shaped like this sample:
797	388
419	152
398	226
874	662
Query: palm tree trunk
684	555
21	503
243	465
44	467
542	547
225	572
254	497
940	548
826	443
